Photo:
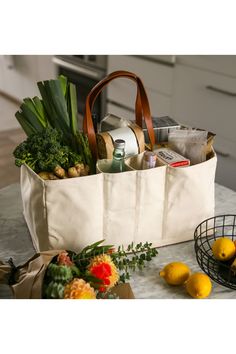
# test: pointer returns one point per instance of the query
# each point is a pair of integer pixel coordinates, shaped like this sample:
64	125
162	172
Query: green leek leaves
57	109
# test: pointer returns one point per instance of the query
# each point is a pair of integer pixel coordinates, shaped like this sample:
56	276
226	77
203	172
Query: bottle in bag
149	160
118	162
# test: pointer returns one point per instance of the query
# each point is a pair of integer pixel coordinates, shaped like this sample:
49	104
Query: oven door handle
78	69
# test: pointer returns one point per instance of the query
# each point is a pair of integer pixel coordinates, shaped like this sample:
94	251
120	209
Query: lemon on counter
199	285
175	273
223	249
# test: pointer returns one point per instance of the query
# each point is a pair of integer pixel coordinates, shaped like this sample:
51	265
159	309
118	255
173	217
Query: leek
58	109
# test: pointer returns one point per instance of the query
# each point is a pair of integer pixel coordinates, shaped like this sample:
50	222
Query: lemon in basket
175	273
223	249
235	245
199	285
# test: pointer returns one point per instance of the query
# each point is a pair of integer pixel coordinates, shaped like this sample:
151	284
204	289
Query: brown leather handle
142	109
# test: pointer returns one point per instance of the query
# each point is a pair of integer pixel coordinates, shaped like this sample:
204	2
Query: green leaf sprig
133	258
83	258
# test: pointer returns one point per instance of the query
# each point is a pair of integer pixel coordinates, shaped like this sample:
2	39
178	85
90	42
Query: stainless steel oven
85	71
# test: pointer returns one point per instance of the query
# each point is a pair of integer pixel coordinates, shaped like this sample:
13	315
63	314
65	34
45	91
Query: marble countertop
15	242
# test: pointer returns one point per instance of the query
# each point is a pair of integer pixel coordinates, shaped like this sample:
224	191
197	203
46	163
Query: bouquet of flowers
96	272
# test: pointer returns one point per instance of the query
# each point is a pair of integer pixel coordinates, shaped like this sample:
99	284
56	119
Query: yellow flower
102	267
79	289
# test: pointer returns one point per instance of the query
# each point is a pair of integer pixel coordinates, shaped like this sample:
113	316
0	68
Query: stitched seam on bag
137	209
45	212
165	205
31	228
106	218
104	207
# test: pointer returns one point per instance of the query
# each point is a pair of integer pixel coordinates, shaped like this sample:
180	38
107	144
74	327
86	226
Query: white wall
19	75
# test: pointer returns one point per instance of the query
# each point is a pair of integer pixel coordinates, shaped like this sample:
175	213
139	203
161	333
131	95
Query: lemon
175	273
223	249
235	245
199	285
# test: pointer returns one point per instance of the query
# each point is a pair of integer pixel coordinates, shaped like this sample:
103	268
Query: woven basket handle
142	109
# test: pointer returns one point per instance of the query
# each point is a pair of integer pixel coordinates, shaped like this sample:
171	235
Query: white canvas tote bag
162	205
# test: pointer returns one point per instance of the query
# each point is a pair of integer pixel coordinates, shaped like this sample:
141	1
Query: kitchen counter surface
15	242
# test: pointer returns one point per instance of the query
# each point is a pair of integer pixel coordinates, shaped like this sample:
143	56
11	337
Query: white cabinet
155	76
157	79
207	100
20	80
219	64
226	162
122	93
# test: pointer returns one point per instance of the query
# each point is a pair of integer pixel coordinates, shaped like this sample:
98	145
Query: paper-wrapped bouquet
97	272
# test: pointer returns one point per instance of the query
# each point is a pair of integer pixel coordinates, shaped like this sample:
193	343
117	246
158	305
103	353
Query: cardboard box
162	127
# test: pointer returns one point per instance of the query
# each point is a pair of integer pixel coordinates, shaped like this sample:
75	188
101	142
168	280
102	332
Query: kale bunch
45	150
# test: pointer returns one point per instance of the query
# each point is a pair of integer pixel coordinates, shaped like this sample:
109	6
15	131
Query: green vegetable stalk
57	109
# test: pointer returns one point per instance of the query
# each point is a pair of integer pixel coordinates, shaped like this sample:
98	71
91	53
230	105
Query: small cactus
54	290
60	273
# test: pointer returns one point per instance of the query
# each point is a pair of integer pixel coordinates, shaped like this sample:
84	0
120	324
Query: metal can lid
119	143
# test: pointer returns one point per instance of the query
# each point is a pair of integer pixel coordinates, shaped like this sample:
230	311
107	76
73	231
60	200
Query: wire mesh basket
205	234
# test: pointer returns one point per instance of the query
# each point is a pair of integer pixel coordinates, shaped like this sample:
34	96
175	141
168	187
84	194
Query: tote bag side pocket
75	212
150	205
190	199
33	194
149	201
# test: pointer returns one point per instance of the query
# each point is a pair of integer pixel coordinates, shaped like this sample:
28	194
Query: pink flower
64	259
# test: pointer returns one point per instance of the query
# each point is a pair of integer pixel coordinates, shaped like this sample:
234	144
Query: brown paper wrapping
28	278
5	271
123	290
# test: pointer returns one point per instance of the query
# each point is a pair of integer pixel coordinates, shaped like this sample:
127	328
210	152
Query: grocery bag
162	205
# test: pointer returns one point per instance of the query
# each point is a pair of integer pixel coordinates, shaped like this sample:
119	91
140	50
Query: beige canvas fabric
162	205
